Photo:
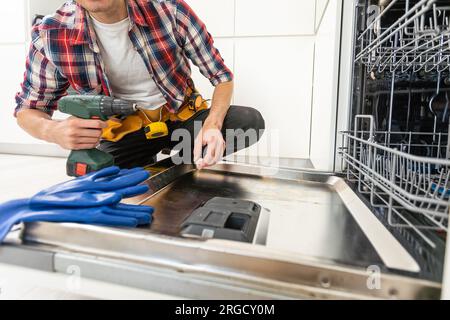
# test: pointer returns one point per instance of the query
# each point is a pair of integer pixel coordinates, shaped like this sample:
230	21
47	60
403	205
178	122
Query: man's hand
76	134
72	133
210	135
211	138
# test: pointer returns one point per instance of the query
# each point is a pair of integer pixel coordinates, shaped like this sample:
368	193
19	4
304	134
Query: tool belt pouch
117	129
192	104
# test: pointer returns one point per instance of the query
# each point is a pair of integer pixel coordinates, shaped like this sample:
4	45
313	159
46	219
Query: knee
253	119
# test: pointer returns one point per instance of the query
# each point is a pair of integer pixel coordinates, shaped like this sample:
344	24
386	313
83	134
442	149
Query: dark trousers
135	150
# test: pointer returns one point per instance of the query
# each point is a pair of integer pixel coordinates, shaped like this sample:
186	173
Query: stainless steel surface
396	180
285	163
307	217
262	228
245	265
314	246
169	280
35	257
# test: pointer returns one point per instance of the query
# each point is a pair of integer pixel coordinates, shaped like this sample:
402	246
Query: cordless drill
81	162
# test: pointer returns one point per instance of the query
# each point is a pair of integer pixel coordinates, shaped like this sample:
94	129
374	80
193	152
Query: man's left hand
211	138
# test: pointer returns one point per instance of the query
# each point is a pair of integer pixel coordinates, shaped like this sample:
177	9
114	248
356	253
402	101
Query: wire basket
413	189
419	39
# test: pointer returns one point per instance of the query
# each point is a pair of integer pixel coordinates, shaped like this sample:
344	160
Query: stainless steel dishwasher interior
396	149
316	222
307	217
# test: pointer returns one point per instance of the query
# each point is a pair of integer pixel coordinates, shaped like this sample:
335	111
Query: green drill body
81	162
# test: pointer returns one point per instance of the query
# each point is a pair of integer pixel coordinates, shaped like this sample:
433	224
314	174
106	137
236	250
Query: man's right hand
76	134
71	134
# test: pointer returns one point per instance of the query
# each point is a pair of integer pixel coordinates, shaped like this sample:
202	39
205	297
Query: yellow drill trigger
156	130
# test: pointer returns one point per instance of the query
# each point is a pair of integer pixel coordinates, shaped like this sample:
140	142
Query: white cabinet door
274	75
280	17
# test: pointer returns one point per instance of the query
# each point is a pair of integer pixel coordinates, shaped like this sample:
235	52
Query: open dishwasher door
313	238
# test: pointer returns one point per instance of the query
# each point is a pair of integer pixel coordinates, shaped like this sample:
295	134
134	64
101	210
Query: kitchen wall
16	18
269	45
12	46
270	49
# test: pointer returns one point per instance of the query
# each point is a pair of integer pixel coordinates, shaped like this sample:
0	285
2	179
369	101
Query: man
137	50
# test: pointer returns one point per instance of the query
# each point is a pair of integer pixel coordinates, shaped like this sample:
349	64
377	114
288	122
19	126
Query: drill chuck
113	107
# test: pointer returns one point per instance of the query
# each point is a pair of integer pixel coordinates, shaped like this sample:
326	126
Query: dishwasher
374	229
396	154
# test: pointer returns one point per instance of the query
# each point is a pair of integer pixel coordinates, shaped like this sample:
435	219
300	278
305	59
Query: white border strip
386	245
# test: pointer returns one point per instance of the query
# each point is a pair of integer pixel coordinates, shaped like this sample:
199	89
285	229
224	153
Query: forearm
36	123
220	104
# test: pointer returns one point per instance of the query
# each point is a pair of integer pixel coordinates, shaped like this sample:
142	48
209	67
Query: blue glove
124	215
101	188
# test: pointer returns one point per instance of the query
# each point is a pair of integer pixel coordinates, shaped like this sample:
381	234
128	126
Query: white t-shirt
128	76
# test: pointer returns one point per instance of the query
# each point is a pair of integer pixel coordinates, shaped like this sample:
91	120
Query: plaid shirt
166	33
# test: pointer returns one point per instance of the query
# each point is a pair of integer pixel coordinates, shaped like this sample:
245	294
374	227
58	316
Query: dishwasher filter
223	218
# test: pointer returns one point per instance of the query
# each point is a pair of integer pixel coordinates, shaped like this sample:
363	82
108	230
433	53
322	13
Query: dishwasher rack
418	40
414	190
397	150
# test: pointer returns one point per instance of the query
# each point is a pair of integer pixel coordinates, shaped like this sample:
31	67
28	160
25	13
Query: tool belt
192	104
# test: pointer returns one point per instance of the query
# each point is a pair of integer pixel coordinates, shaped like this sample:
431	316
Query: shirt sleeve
199	46
43	85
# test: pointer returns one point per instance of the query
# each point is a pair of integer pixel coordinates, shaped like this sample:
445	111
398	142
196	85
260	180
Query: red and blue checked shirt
166	33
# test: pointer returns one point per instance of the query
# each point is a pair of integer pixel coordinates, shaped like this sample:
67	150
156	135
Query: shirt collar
82	31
